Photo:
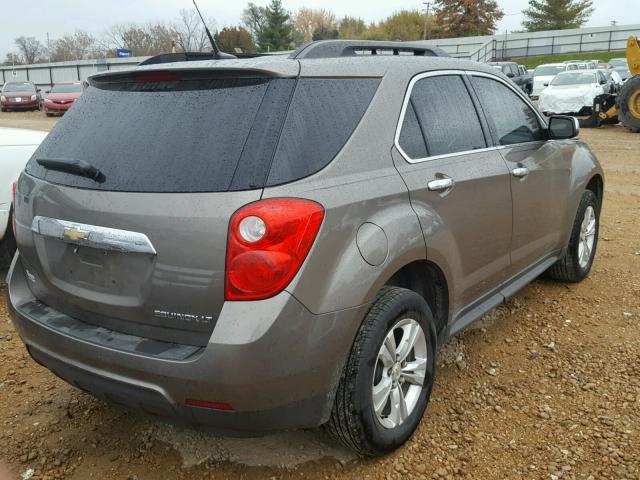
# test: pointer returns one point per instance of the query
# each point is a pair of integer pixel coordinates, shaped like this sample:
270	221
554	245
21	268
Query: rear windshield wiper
74	167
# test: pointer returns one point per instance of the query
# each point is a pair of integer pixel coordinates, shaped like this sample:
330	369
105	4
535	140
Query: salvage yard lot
546	386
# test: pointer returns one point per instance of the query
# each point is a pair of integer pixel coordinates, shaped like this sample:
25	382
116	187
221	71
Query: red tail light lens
268	241
210	405
15	205
157	77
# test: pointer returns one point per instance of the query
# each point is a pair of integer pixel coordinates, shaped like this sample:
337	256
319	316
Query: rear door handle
520	172
440	184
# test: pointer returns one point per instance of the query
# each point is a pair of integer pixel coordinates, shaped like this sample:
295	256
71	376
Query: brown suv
285	242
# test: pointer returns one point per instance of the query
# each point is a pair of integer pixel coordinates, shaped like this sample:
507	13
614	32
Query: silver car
286	242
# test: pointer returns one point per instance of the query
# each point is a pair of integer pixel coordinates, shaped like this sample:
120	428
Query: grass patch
533	62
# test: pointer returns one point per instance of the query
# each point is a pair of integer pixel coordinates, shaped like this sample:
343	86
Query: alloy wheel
587	237
400	373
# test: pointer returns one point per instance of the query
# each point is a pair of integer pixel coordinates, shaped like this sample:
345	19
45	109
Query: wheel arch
429	281
596	185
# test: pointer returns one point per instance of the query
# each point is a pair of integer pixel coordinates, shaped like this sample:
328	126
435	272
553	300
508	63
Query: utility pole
49	47
505	44
426	34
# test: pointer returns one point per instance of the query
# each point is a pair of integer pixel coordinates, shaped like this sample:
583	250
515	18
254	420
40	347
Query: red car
20	96
61	97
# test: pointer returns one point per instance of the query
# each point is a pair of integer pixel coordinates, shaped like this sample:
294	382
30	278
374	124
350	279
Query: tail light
267	243
15	205
209	405
160	76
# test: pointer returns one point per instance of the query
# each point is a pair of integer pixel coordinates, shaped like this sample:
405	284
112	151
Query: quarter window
440	119
411	139
510	118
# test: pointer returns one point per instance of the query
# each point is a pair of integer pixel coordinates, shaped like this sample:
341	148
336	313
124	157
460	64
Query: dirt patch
284	450
31	120
545	387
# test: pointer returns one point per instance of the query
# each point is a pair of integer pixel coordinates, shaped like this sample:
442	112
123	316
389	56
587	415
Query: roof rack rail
192	57
350	48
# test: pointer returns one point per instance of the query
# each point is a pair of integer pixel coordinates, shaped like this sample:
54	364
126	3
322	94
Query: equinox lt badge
183	317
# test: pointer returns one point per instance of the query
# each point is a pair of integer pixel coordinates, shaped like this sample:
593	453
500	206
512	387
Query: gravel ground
547	386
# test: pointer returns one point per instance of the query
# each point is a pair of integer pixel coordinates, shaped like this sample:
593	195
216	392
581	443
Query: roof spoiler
350	48
193	57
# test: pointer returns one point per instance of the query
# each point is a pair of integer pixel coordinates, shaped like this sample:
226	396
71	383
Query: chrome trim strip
93	236
439	73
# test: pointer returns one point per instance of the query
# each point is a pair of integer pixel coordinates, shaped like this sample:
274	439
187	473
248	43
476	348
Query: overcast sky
37	17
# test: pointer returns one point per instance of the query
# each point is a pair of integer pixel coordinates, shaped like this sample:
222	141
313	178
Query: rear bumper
273	361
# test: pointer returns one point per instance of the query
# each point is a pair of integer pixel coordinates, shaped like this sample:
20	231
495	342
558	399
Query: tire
570	268
629	114
353	421
4	109
7	245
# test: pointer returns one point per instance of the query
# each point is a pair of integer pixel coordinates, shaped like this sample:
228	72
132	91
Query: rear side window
446	116
510	118
210	135
324	113
411	139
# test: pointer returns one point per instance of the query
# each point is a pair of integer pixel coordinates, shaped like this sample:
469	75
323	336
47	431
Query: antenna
216	51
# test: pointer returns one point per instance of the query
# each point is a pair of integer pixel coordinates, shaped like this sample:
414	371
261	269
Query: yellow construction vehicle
625	106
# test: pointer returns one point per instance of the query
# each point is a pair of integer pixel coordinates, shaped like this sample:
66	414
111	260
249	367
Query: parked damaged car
572	93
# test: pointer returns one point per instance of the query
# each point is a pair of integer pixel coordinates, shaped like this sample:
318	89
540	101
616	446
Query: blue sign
124	52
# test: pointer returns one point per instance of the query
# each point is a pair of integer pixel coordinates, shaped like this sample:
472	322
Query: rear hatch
123	211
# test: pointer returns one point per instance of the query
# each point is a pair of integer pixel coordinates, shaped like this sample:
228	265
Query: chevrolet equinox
284	242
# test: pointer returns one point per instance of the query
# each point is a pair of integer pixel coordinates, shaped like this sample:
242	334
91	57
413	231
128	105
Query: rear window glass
548	71
207	135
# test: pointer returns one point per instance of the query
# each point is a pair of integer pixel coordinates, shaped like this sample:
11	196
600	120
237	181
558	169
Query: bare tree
30	48
13	58
254	18
309	21
143	40
189	32
78	46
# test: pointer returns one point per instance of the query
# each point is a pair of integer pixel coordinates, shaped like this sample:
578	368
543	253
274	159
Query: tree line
274	28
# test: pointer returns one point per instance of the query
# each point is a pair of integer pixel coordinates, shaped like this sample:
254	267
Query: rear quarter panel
335	275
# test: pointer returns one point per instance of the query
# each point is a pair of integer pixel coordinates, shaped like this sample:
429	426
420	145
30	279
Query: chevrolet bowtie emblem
74	234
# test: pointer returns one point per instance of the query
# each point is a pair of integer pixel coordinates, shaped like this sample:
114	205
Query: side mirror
510	75
563	127
38	90
546	84
47	92
603	82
